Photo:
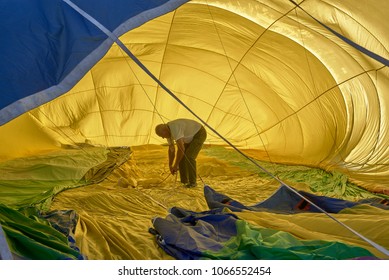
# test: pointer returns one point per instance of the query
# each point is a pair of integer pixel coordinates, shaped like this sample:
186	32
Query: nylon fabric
36	179
31	239
270	80
129	205
318	226
222	236
61	57
310	104
116	210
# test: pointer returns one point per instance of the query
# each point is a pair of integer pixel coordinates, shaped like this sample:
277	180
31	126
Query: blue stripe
369	53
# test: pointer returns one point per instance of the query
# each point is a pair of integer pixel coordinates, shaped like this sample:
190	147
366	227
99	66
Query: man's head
162	130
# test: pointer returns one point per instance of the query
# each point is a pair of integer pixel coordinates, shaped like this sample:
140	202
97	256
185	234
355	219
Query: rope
143	67
152	199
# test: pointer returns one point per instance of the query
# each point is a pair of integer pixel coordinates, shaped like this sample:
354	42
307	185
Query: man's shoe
191	185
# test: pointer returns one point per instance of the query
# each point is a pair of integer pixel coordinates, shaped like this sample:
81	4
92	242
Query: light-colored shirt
183	128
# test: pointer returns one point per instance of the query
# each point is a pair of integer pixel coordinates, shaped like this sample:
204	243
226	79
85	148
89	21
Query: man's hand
173	169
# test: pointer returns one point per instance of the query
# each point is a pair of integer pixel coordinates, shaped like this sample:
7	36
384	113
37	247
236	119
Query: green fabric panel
30	239
33	180
252	243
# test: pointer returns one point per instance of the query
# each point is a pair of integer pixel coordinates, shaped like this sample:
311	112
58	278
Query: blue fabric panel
47	47
189	237
282	200
286	201
329	204
216	200
114	13
42	41
212	217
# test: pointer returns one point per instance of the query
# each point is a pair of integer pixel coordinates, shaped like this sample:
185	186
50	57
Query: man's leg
183	168
192	171
191	153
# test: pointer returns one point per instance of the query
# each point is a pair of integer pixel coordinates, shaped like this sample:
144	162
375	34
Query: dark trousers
187	166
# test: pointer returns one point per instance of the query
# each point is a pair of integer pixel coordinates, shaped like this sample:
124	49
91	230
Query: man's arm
180	153
171	155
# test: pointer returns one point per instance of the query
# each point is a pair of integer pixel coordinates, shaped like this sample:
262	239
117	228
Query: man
189	136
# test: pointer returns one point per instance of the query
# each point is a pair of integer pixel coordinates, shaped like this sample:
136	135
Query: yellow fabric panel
24	136
261	72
